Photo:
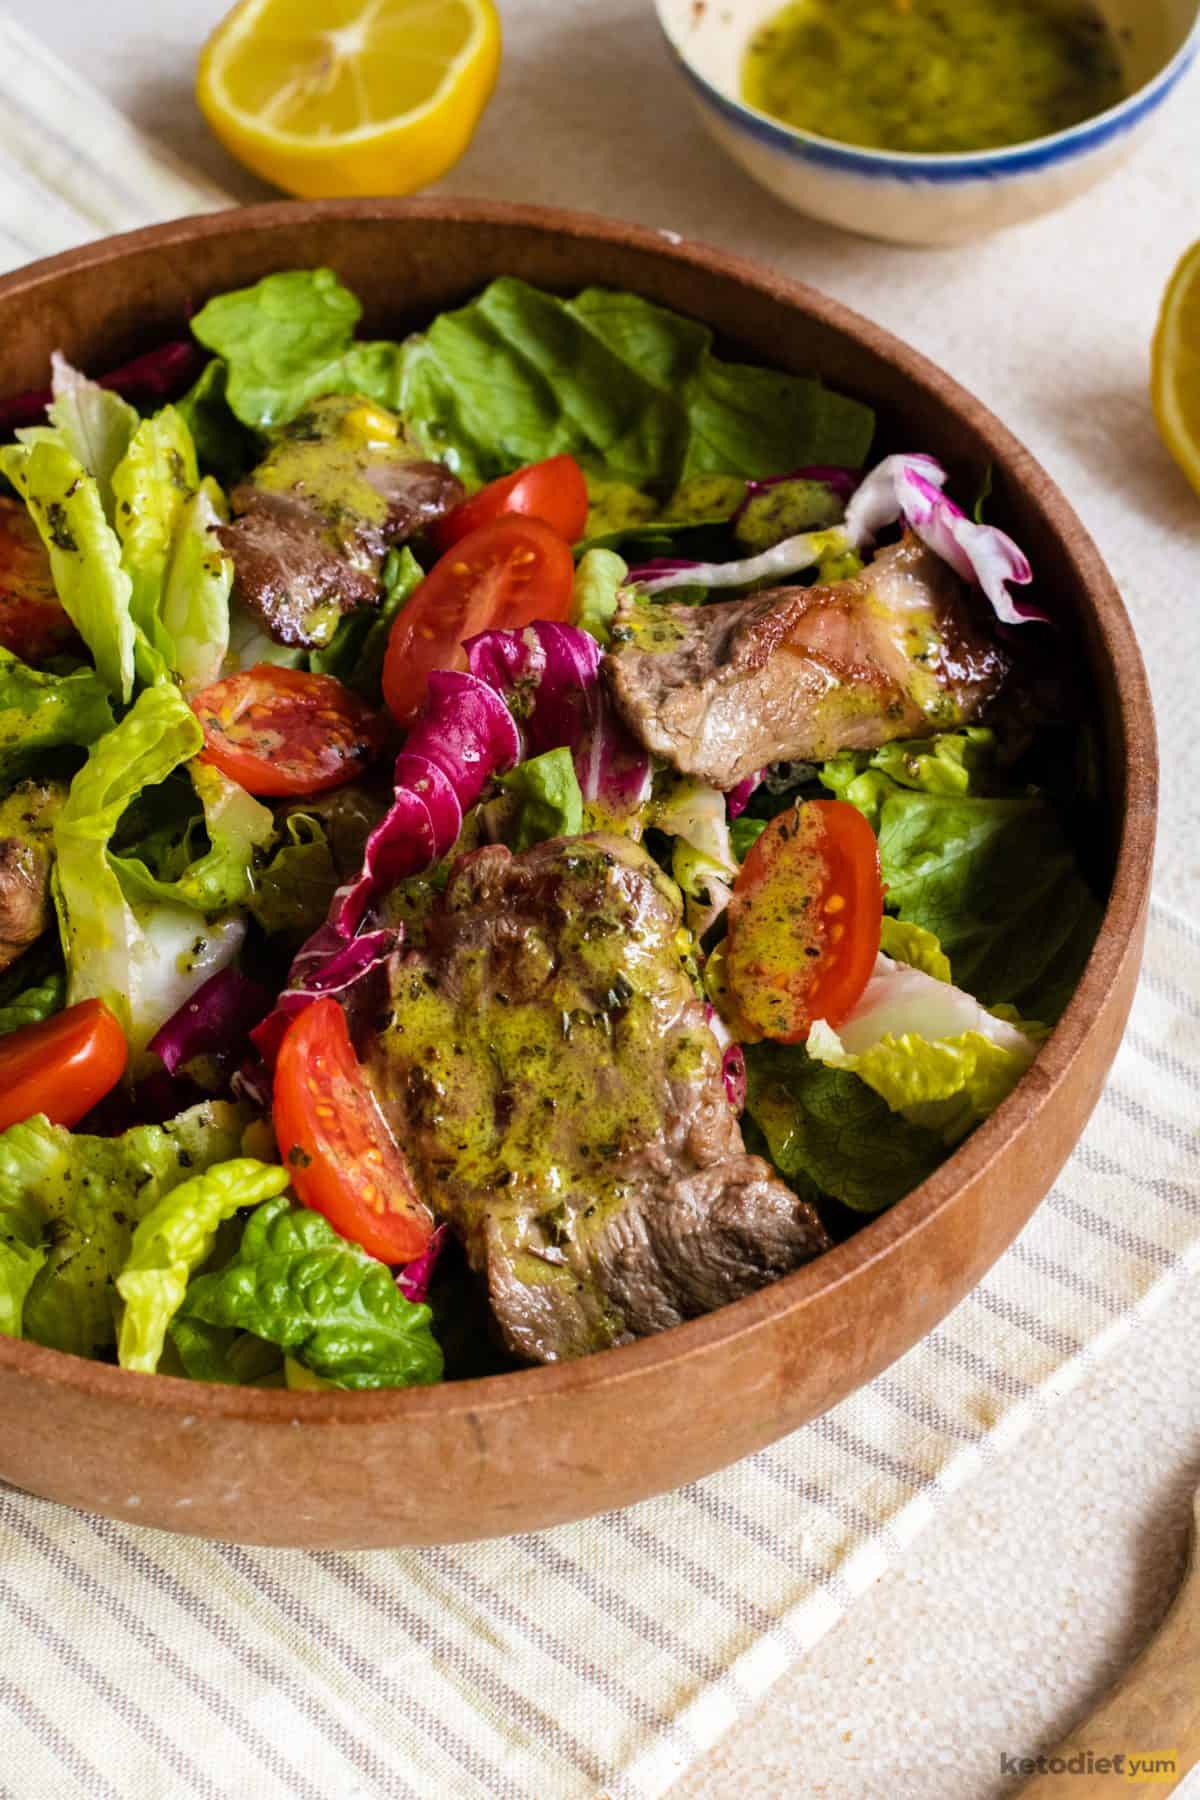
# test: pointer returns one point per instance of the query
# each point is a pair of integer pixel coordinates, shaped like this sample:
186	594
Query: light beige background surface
1042	1579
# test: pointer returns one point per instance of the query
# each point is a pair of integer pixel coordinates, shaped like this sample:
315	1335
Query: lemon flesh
1175	386
349	96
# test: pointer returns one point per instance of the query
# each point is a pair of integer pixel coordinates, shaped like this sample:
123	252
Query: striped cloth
599	1659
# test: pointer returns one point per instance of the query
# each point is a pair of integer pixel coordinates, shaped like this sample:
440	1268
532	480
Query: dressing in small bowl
930	121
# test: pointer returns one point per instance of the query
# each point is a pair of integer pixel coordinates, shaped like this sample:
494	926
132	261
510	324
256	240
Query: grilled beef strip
313	522
798	674
551	1075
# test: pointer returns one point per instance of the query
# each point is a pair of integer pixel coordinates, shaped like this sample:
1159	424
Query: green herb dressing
933	78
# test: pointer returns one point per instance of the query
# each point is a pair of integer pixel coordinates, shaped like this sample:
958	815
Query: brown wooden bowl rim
879	1234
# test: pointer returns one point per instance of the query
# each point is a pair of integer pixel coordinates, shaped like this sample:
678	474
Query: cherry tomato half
804	920
553	491
501	577
33	624
335	1142
61	1067
284	731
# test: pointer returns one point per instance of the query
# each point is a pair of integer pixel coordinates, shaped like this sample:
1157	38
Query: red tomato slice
33	624
61	1067
804	920
498	578
553	491
335	1143
283	731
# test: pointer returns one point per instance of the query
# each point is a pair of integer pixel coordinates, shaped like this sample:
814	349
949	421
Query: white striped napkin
601	1658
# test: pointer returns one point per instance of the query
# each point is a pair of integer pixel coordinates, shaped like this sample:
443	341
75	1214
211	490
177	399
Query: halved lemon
1175	385
333	97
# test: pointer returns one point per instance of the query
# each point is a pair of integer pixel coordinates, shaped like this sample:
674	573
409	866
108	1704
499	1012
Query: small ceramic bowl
925	199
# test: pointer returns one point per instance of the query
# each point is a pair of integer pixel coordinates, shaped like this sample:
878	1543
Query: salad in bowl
512	838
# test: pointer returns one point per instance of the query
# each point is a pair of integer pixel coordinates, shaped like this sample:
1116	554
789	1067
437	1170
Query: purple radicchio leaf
215	1021
414	1278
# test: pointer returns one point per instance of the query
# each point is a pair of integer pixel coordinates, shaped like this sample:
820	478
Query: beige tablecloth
608	1656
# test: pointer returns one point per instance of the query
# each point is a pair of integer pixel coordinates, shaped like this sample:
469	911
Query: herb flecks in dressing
932	78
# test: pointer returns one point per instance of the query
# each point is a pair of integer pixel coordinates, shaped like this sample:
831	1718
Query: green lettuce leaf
152	483
991	875
142	958
223	444
295	1283
41	1000
919	949
219	1353
195	598
65	504
357	648
293	893
92	423
946	1085
827	1132
239	828
633	391
68	1207
548	802
744	833
598	581
169	1244
289	338
40	711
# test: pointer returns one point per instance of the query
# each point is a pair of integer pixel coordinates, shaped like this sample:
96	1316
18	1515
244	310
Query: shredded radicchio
148	381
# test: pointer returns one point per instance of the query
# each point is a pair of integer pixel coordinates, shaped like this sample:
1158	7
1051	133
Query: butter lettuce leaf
547	799
172	1240
633	391
335	1310
68	1207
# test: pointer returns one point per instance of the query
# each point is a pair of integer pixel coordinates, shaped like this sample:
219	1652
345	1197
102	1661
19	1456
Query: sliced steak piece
316	518
554	1082
797	674
27	817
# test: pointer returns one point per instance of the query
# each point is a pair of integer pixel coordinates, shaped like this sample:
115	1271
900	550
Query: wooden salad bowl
518	1451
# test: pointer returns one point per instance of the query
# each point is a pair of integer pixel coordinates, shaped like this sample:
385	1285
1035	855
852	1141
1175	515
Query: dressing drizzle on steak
550	1074
314	521
798	674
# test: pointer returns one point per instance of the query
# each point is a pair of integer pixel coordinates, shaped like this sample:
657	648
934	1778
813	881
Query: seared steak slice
552	1078
316	518
797	674
26	823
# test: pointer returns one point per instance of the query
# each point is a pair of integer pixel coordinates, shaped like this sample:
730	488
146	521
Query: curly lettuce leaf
546	800
169	1244
632	390
953	762
68	1207
40	711
141	957
65	504
335	1310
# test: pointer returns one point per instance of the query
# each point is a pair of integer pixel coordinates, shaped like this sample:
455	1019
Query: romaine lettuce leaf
41	1000
172	1240
219	1353
294	891
85	554
910	944
633	391
142	958
94	424
40	711
546	797
69	1203
330	1306
239	829
953	762
223	444
152	482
